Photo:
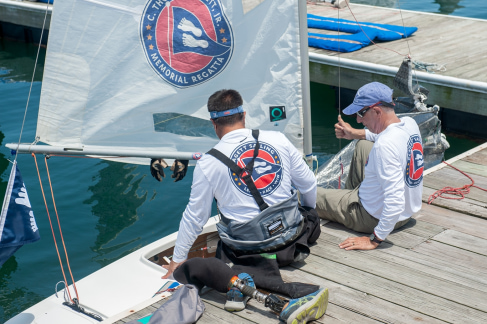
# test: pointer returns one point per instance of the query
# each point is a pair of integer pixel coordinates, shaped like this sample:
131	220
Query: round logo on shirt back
267	173
415	162
187	42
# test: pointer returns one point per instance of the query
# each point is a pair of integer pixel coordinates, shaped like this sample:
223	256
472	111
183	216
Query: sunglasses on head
362	112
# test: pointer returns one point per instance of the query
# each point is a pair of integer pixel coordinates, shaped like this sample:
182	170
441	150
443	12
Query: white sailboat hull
118	288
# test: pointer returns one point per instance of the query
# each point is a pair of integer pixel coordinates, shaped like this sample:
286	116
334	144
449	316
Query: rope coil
457	193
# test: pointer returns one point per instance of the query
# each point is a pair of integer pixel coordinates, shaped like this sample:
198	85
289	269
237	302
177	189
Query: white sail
137	73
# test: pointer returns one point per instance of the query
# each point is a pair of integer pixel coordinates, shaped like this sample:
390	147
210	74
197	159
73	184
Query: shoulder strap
240	171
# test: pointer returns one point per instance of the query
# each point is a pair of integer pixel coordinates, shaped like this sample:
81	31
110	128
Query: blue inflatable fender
362	32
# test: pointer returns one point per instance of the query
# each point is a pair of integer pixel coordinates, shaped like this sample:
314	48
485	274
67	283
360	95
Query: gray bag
184	307
273	228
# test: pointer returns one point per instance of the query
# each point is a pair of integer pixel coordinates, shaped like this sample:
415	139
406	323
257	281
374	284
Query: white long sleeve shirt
392	188
278	167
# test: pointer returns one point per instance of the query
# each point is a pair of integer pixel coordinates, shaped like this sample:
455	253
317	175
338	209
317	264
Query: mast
303	38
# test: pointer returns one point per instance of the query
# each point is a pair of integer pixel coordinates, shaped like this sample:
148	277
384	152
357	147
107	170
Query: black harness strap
240	171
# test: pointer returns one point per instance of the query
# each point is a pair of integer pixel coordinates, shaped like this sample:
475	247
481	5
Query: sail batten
140	73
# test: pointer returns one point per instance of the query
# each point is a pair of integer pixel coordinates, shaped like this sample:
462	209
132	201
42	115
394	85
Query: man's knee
363	147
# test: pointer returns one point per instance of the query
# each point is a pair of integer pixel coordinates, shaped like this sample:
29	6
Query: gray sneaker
236	301
308	308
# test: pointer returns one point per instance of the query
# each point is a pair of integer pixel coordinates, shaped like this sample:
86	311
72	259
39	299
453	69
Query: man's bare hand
171	267
358	243
344	130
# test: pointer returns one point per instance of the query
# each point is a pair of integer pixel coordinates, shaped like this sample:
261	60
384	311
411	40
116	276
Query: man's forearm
359	134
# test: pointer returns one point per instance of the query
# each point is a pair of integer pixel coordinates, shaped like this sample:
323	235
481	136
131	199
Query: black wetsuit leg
210	272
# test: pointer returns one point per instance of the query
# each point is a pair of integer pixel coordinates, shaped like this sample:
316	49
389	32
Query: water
107	209
462	8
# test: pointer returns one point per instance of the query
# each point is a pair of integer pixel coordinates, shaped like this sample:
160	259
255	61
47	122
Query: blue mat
362	33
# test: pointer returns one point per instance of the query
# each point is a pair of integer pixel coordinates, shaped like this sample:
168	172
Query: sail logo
415	162
267	172
186	42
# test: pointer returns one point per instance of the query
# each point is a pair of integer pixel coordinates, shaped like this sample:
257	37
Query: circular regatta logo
186	42
267	173
415	162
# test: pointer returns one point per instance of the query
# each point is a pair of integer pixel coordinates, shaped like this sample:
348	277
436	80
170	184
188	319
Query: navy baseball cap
367	95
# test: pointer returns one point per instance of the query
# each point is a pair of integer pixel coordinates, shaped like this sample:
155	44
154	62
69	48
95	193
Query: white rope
66	297
32	80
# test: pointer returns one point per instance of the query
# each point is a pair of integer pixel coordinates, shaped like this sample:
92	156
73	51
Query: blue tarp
361	33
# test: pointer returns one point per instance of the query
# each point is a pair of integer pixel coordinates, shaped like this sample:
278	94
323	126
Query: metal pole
139	152
437	79
303	39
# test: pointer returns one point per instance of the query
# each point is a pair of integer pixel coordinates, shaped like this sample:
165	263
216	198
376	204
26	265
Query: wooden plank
338	315
466	206
214	315
255	312
461	64
409	274
419	228
398	293
450	219
478	158
422	263
409	236
461	156
463	241
453	255
447	177
365	307
471	168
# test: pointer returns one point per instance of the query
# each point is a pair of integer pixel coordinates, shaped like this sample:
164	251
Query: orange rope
52	230
458	192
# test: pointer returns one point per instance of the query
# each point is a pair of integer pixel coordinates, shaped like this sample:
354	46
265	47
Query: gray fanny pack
273	228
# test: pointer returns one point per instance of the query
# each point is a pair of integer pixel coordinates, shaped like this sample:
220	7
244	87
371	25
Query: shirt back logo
187	42
267	172
415	162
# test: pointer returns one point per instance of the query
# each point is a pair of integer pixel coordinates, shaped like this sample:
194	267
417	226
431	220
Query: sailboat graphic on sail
128	80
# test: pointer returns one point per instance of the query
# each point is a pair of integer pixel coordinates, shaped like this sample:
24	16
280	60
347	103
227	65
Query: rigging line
163	121
407	41
32	80
339	102
52	229
358	24
60	231
404	27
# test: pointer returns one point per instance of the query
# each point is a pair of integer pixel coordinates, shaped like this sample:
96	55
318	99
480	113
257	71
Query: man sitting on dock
385	181
252	175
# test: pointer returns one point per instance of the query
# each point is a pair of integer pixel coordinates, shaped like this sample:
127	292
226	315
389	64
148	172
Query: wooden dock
456	42
431	271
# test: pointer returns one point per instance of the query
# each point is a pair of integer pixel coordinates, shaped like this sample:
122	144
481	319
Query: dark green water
107	209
